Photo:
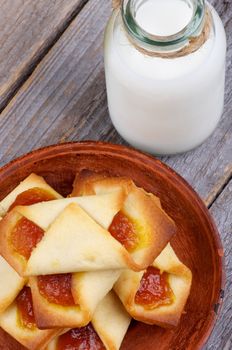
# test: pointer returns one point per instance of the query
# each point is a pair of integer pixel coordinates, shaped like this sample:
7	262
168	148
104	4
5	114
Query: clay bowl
197	242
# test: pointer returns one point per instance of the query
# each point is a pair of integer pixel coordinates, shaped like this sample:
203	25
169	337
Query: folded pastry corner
33	183
111	321
11	241
89	288
141	225
159	294
10	286
54	306
18	321
76	243
69	300
153	226
89	183
23	227
82	182
18	235
102	208
106	331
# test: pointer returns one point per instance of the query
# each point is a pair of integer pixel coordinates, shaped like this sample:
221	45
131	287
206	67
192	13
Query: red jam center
123	230
25	308
32	196
154	289
57	289
25	236
84	338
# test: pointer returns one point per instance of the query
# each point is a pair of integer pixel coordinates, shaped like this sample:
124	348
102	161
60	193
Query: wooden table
52	90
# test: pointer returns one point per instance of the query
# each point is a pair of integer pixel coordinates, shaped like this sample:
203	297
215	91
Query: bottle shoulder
120	52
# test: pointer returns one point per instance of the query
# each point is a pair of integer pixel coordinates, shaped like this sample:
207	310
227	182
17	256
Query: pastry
18	320
111	321
71	252
159	294
35	219
18	236
10	286
32	182
106	331
90	291
24	226
101	208
69	300
74	242
141	225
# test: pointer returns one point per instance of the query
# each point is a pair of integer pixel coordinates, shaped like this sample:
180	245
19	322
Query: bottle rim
192	29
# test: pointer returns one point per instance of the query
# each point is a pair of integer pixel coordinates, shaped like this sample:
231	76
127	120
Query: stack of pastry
76	270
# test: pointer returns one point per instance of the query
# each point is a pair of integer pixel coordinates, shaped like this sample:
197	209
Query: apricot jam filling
154	289
25	236
84	338
25	308
32	196
57	289
123	230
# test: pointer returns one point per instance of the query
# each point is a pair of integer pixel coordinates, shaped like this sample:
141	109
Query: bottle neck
163	25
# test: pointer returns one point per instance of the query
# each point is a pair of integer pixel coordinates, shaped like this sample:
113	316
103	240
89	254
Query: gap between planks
28	71
219	187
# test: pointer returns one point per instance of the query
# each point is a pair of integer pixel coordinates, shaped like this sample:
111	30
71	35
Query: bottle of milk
165	72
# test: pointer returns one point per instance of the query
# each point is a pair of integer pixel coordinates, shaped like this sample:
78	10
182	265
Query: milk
164	17
164	105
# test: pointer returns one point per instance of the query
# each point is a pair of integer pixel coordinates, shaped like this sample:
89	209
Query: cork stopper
116	4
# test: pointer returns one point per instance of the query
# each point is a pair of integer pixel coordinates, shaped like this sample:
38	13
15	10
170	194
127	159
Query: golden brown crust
49	315
88	183
33	339
11	284
127	286
87	291
98	251
17	261
180	278
102	208
166	317
112	184
41	341
153	226
31	181
82	179
154	223
111	321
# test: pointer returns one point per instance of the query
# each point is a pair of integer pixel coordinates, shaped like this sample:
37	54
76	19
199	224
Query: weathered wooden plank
62	96
27	30
221	338
65	100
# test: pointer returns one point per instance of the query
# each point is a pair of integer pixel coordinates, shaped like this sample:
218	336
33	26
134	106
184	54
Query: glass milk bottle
165	72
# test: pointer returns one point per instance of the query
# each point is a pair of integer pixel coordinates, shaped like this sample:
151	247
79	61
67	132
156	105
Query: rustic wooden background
52	90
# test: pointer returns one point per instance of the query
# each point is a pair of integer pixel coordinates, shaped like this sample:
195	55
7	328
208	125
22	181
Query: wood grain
64	91
65	100
27	30
221	210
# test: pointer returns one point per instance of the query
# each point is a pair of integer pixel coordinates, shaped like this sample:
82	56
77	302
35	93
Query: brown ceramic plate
197	242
